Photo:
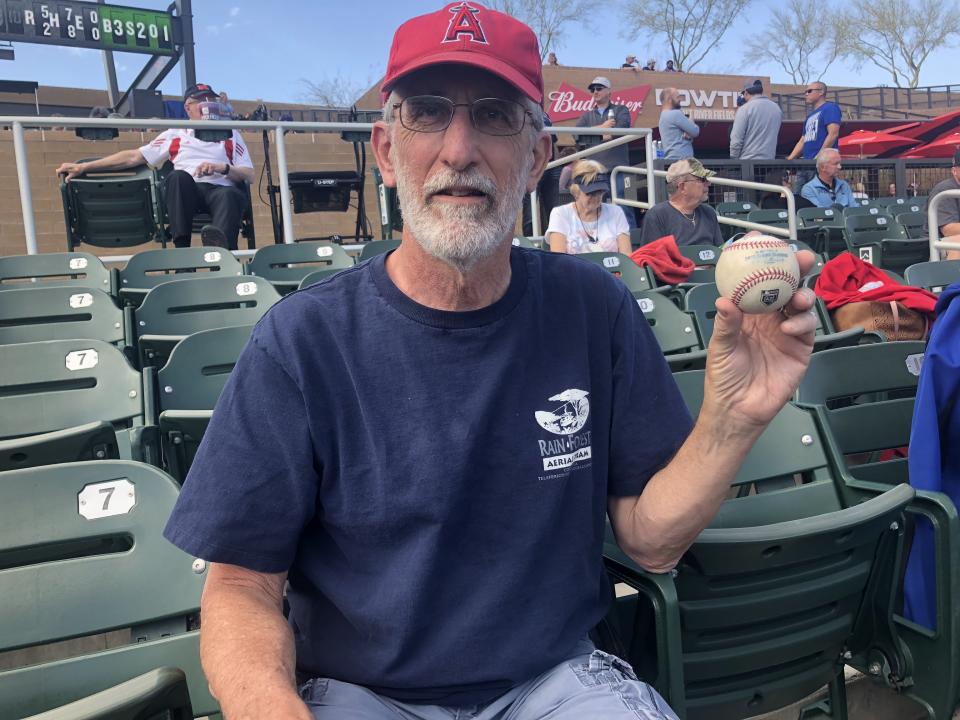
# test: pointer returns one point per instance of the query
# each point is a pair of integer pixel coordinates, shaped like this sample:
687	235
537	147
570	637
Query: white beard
460	235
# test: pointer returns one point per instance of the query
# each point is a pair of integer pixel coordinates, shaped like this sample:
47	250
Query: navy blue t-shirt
435	482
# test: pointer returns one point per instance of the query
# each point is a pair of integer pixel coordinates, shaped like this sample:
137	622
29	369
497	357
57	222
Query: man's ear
381	140
542	150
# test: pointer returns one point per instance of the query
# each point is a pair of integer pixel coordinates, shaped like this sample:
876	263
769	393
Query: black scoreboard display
89	25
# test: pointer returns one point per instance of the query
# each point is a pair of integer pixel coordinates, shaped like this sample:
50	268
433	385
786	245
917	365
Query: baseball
758	273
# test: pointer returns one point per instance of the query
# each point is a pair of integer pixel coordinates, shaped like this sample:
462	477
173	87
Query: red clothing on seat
665	260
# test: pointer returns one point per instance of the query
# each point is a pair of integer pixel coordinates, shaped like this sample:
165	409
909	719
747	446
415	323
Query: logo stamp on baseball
758	273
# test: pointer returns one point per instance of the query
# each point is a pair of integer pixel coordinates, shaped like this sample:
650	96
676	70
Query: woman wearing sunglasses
588	224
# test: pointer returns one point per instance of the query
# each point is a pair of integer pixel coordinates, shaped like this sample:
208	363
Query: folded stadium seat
189	386
376	247
897	205
864	210
880	240
115	210
38	313
736	210
76	269
287	264
68	400
913	222
83	555
178	308
776	218
636	278
797	245
933	276
146	270
674	331
864	398
785	585
700	301
829	220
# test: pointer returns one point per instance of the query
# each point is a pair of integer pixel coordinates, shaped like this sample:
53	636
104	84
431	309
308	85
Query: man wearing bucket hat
420	452
204	178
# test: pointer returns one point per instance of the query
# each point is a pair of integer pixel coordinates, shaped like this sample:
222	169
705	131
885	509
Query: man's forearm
797	149
122	160
682	499
830	139
247	651
238	174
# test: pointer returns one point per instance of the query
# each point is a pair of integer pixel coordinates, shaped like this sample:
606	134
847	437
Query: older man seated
684	215
828	189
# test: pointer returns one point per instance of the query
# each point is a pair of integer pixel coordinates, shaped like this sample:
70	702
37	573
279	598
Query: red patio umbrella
861	143
943	147
928	130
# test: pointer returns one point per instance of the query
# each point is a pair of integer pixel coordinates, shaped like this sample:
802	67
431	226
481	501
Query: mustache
449	179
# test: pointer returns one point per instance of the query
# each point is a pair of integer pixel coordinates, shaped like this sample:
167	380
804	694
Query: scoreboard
76	23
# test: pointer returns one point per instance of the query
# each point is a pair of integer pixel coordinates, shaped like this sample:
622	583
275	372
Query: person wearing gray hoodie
756	125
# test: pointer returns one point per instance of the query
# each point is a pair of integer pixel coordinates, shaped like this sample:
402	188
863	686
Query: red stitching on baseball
759	276
758	245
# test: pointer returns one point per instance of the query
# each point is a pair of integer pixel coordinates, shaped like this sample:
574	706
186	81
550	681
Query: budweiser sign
569	102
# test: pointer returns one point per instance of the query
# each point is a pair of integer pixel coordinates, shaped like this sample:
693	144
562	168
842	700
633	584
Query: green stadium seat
376	247
830	223
525	242
701	255
69	400
637	279
189	386
776	218
892	203
38	313
150	268
285	265
674	329
179	308
914	223
761	609
83	555
865	236
77	269
864	210
738	210
934	276
112	210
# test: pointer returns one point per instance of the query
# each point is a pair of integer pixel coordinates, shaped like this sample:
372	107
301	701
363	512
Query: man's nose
460	140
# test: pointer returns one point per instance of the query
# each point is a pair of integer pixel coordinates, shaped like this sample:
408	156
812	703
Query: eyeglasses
596	88
810	90
433	113
691	178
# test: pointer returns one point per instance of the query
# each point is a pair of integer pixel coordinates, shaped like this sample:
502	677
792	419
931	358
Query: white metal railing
936	245
790	231
23	176
625	135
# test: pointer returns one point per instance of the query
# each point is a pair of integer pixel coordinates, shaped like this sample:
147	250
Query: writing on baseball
758	273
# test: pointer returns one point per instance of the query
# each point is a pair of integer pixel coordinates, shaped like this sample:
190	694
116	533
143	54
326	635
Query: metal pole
26	197
110	70
651	179
188	67
535	213
284	186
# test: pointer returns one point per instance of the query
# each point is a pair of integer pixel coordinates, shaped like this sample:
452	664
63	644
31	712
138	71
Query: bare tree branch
334	91
898	35
549	19
803	49
692	28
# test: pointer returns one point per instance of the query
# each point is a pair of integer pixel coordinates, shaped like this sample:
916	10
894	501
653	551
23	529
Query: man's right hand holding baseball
71	170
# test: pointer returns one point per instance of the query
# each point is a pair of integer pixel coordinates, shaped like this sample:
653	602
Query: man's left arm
754	364
241	166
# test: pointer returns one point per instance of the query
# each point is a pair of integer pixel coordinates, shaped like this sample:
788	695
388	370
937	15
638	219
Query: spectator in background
756	125
651	65
684	215
775	201
676	129
630	63
225	107
670	67
548	188
204	178
588	224
948	211
860	191
892	190
827	189
607	114
552	59
822	127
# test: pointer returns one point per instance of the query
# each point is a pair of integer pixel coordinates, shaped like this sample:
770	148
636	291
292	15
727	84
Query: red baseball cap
467	33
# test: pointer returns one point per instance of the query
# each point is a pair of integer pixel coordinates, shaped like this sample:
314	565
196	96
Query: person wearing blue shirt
827	189
422	452
821	129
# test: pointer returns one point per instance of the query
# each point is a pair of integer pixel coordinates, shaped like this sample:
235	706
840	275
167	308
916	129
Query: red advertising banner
569	102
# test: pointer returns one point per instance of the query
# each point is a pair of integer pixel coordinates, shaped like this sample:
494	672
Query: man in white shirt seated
205	175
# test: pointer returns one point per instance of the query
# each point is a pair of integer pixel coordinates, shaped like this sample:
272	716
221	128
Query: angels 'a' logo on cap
465	21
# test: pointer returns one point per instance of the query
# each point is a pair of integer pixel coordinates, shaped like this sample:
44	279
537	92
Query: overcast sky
264	50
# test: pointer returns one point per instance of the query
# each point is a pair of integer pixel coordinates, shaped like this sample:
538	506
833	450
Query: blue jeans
590	684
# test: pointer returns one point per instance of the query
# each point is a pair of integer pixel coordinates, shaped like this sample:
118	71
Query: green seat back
776	218
913	223
898	254
178	308
150	268
524	242
865	236
674	329
376	247
58	312
867	393
285	265
190	384
78	269
82	553
66	400
701	255
829	217
896	205
114	211
858	210
636	278
933	276
735	209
